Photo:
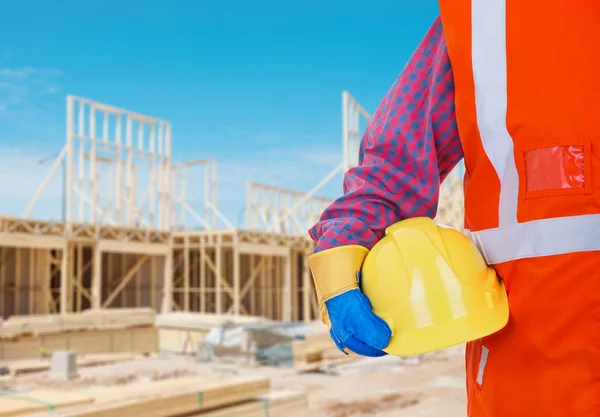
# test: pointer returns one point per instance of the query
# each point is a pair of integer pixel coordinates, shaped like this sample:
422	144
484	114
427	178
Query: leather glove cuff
334	271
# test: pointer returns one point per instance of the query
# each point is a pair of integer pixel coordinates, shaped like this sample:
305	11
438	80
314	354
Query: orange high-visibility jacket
527	85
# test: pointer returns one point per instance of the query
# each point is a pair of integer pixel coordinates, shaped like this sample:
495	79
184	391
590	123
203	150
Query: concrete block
63	365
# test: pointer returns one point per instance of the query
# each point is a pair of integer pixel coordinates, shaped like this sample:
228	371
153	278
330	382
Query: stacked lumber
231	397
88	332
180	332
316	351
274	404
33	402
25	366
86	320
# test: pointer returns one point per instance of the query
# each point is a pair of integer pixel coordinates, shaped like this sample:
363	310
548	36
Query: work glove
344	308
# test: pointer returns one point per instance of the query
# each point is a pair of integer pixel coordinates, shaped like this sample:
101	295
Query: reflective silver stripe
482	363
546	237
512	240
489	73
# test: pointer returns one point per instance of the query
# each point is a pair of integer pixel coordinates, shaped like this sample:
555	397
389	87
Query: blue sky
245	82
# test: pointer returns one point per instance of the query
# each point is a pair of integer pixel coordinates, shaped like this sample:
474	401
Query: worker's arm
409	147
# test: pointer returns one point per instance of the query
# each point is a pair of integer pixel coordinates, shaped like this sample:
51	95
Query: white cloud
25	87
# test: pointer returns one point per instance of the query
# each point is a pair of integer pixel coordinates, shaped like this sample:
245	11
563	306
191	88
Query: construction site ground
432	385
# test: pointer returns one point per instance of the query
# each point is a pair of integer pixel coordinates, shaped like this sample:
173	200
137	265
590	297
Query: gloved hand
344	308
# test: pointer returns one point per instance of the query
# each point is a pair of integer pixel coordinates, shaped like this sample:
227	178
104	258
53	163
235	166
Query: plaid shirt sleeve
407	150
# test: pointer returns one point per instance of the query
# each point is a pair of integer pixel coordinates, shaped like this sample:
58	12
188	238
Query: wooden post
43	277
286	293
263	288
31	303
138	288
110	267
97	278
295	295
236	276
64	278
186	273
202	266
252	289
278	290
269	289
17	289
306	286
122	273
167	301
79	274
153	267
219	276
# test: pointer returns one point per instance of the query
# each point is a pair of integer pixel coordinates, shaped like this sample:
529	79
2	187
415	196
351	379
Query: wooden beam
138	288
43	278
263	289
237	300
135	248
17	289
31	303
6	254
64	278
186	274
167	301
306	287
202	266
123	268
295	295
286	291
261	249
96	300
78	276
125	280
23	240
251	287
218	270
153	272
270	288
70	277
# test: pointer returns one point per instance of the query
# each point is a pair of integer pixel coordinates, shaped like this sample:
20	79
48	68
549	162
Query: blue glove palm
355	327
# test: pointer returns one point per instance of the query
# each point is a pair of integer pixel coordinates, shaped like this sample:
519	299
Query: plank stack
194	396
89	332
317	351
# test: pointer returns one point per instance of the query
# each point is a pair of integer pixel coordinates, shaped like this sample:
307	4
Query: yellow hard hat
433	288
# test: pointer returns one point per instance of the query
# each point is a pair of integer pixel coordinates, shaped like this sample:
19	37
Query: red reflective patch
554	168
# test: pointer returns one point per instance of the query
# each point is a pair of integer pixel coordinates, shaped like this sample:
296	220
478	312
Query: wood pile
180	332
88	332
26	404
230	397
317	351
118	318
24	366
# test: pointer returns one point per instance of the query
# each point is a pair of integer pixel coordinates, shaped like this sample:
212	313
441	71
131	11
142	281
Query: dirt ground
384	387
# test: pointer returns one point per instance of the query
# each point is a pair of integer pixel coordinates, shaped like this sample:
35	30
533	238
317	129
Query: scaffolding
119	247
132	237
